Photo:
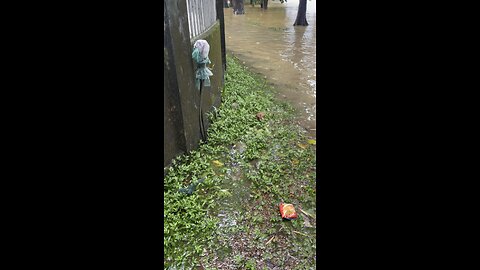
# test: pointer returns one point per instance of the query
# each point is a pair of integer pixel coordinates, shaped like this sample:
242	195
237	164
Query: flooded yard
222	200
267	41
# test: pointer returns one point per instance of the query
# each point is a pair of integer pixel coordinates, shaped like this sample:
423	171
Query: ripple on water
284	54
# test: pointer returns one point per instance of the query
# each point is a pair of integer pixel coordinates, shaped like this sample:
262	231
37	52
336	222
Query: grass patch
272	155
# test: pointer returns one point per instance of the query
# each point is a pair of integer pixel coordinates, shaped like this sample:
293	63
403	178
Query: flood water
269	44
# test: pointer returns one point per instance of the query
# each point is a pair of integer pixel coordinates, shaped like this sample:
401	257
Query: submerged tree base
301	23
238	7
256	157
301	14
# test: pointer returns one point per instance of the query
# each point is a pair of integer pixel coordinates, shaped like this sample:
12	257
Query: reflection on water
269	43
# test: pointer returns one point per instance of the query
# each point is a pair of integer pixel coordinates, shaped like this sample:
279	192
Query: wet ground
250	234
273	161
221	201
269	44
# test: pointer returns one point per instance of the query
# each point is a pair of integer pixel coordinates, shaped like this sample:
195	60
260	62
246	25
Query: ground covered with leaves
221	201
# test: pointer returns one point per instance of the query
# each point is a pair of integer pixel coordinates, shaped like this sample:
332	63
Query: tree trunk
302	13
238	7
264	4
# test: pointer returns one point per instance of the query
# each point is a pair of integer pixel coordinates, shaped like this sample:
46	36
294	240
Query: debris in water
303	146
306	222
256	163
224	193
288	211
300	233
268	242
306	213
240	147
260	116
217	163
191	188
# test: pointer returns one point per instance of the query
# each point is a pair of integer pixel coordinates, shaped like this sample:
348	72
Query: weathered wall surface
174	143
211	95
181	98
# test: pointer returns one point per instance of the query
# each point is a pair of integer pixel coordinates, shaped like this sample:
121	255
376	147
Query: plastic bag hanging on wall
200	56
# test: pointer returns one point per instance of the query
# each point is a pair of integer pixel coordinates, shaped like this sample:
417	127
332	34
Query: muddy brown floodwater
269	44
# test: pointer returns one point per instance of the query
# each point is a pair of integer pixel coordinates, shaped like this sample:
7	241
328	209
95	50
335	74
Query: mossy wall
181	98
211	96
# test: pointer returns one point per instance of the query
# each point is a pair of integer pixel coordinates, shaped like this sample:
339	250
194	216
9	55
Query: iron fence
202	15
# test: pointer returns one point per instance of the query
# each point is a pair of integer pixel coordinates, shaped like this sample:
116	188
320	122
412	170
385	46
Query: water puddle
230	211
269	44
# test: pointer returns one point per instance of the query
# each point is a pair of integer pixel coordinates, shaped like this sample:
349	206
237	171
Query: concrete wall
211	96
181	98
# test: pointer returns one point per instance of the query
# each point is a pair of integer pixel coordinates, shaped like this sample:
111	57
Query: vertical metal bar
212	10
194	13
189	19
199	14
209	9
202	21
205	14
198	17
